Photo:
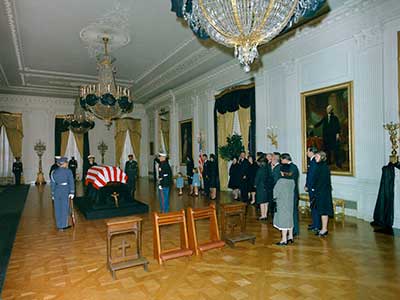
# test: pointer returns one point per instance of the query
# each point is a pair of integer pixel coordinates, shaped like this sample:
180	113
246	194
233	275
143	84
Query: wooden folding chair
199	214
161	219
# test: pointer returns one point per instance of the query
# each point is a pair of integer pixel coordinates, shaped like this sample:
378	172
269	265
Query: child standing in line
179	183
196	181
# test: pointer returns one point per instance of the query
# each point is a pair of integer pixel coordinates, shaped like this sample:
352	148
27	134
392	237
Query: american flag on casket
99	176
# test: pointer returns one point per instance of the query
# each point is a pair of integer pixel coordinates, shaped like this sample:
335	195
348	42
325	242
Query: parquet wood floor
353	262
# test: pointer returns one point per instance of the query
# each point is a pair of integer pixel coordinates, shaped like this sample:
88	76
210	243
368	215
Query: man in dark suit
73	165
311	173
330	135
205	175
17	169
131	170
294	170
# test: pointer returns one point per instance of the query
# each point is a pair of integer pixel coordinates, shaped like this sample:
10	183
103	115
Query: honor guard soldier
17	170
62	191
131	170
73	165
164	182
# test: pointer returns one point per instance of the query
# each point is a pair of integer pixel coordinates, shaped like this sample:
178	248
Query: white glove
71	196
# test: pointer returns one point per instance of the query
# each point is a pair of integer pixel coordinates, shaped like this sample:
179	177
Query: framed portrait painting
327	124
185	140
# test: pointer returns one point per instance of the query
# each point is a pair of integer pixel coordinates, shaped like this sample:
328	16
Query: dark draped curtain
60	127
384	208
231	100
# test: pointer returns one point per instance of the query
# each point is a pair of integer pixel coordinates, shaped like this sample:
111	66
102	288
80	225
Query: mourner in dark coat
311	175
189	172
250	176
323	192
275	166
212	173
55	165
62	190
294	171
131	170
204	174
17	169
264	187
244	164
234	178
73	165
164	182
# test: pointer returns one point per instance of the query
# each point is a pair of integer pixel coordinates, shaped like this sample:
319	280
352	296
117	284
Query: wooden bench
123	226
161	219
200	214
228	211
335	201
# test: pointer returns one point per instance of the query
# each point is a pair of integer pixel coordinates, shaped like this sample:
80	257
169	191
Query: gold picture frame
333	134
185	140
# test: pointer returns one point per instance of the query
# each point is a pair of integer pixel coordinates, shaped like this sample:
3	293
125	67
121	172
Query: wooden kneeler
160	219
198	214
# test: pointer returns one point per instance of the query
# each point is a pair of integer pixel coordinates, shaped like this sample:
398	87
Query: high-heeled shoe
323	234
290	241
281	243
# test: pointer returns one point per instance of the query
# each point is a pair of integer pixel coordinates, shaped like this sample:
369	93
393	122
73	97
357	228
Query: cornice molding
157	65
3	76
189	63
11	100
15	34
36	90
369	37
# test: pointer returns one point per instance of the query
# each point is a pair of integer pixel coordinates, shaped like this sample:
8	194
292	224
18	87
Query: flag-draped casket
106	186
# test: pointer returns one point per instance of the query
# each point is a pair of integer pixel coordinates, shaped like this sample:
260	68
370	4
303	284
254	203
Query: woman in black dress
234	178
250	176
213	177
323	192
264	184
189	172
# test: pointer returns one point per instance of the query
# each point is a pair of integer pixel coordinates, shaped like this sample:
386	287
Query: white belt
64	183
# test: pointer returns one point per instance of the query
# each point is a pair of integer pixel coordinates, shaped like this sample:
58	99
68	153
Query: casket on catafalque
107	195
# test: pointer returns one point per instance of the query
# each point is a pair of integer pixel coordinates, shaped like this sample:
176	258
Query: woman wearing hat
62	190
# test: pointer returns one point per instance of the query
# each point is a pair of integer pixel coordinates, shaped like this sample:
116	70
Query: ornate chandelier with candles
244	24
106	100
79	121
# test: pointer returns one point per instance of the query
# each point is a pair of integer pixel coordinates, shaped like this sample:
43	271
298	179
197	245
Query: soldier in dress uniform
164	182
131	170
62	190
73	165
92	162
17	170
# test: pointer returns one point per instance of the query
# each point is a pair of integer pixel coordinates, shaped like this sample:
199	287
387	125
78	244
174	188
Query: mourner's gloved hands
71	196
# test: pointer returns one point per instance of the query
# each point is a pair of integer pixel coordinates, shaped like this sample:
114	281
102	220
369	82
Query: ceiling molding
16	36
187	64
3	75
70	76
37	90
157	65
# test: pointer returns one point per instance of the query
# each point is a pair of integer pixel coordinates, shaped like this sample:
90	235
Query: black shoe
281	244
310	227
69	226
290	241
323	234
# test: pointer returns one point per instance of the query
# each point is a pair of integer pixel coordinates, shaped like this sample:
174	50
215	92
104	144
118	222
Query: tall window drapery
6	157
127	128
72	150
128	149
237	101
12	123
164	126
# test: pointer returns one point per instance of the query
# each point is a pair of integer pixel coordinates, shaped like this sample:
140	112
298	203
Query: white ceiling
41	51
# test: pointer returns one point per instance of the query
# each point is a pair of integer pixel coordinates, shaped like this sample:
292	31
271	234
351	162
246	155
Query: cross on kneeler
123	247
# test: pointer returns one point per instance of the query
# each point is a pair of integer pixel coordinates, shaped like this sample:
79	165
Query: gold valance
133	125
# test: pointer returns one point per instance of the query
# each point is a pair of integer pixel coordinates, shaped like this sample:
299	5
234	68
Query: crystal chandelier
241	24
106	100
80	121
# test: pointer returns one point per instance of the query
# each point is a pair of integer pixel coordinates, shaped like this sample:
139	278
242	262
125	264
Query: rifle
71	211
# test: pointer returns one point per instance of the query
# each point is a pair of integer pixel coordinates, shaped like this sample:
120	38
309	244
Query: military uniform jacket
62	183
131	168
17	167
164	174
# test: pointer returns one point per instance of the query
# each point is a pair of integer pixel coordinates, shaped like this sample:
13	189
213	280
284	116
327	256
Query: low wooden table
229	210
122	226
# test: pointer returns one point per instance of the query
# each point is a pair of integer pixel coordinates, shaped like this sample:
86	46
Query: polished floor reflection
353	262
